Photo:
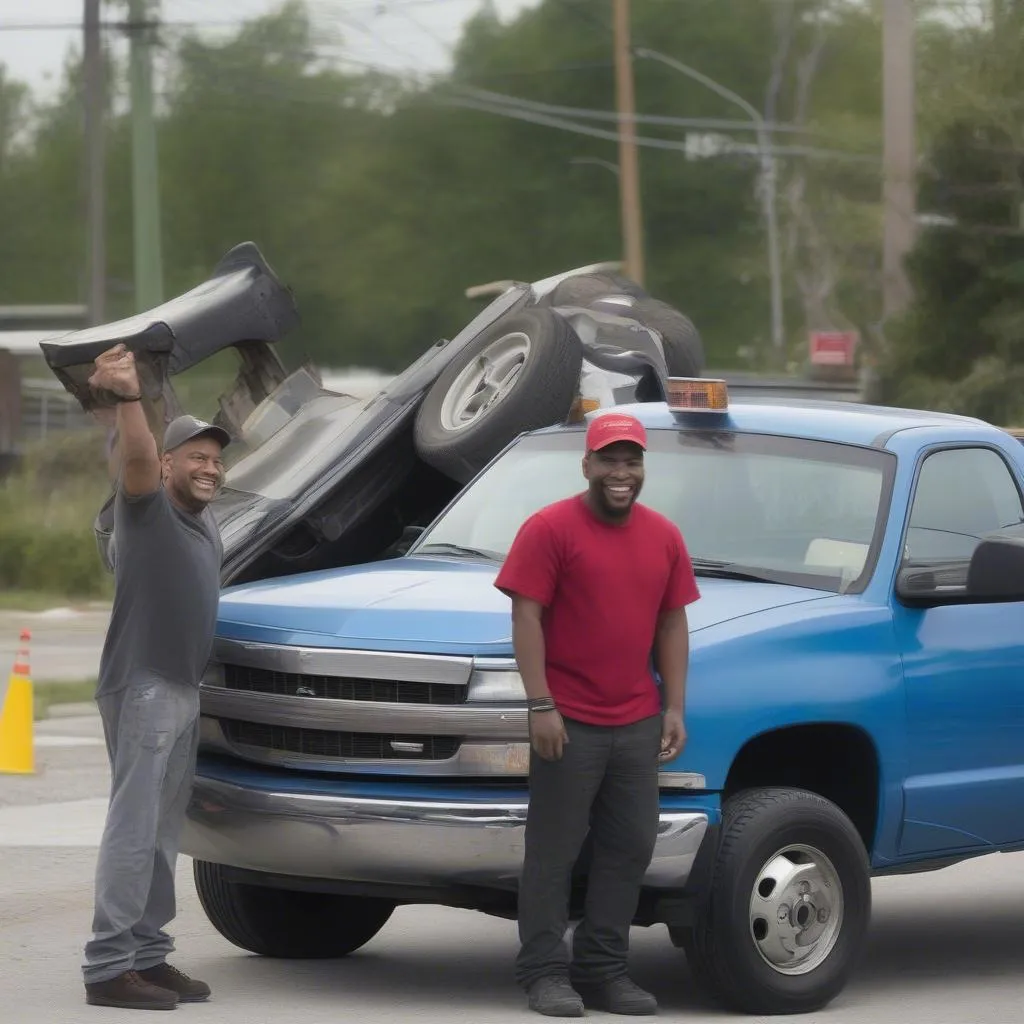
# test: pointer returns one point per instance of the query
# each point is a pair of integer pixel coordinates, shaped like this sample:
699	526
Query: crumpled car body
318	478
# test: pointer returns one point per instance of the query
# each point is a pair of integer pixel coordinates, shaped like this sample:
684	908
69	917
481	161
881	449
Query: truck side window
961	495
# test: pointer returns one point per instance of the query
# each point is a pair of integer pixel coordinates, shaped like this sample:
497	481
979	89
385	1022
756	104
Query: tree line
380	198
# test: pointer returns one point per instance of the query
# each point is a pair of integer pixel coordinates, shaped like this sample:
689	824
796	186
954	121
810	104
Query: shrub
46	514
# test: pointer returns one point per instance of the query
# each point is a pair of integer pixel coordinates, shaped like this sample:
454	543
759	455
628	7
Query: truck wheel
286	923
789	905
520	374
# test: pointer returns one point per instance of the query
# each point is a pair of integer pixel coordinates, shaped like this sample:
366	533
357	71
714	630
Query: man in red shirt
599	584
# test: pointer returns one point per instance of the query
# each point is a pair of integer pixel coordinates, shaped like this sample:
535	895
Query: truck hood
429	605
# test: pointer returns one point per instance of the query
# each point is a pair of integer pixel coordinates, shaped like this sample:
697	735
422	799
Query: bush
46	515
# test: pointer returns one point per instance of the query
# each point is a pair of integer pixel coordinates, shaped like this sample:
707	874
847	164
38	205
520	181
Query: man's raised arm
140	458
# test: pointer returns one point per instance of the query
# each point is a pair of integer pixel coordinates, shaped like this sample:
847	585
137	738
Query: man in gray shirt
167	556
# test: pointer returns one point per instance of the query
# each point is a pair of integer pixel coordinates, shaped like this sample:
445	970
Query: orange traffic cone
17	755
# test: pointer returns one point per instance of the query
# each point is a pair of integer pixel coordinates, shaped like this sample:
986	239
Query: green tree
960	347
381	200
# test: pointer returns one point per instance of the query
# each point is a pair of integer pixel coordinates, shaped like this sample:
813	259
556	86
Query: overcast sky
408	34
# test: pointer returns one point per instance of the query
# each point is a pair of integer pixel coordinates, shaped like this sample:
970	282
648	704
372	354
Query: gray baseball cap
184	428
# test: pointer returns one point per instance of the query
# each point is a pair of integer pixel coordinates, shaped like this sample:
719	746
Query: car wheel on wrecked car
520	374
790	899
285	923
684	350
583	289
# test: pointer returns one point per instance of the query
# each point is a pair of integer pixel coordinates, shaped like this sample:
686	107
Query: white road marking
67	741
76	823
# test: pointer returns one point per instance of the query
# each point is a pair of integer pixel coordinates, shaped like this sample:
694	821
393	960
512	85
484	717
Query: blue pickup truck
856	692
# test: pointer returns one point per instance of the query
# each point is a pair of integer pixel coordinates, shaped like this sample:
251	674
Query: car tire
285	923
464	420
584	289
684	350
737	949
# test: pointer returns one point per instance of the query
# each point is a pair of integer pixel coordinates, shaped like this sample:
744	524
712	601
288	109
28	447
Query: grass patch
52	692
40	601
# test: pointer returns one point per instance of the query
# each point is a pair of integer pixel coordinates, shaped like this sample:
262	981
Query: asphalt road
945	947
65	646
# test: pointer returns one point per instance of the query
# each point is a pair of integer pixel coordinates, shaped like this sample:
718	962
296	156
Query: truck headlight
496	684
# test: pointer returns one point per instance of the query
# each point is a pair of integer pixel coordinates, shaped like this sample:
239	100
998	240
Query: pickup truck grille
326	743
384	691
365	712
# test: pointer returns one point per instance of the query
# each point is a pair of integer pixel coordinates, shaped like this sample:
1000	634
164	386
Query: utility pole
766	187
629	178
95	163
145	179
899	188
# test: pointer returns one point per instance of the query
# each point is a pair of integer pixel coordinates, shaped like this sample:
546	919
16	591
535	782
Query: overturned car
318	478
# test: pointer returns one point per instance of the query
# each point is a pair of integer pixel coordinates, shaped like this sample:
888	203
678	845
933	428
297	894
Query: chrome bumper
410	843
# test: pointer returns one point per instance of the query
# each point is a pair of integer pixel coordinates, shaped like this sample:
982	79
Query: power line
76	26
814	152
610	115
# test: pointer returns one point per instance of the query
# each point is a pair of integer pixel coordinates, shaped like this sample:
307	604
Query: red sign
833	348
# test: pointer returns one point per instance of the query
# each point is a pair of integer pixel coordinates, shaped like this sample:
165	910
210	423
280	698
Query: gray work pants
151	728
606	782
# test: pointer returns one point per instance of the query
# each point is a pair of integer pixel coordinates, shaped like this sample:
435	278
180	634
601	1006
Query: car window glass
961	495
808	512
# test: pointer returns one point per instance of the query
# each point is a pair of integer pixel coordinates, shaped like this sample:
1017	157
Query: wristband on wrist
540	704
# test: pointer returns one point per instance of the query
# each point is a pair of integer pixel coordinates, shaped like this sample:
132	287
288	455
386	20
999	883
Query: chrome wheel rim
796	909
485	381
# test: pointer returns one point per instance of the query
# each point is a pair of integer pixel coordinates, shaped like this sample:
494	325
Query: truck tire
742	949
285	923
684	350
519	374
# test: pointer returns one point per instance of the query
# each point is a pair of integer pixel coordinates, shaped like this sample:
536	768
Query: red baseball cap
612	427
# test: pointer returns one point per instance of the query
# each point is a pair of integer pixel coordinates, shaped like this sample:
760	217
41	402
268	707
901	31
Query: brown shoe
130	991
188	989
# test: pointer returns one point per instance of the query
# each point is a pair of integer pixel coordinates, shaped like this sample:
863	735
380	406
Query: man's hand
673	736
116	372
137	461
547	734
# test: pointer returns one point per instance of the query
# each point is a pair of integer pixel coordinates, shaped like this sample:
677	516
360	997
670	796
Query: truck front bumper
411	842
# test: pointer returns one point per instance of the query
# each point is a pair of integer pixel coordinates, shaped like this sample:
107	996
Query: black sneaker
130	991
189	990
618	995
553	996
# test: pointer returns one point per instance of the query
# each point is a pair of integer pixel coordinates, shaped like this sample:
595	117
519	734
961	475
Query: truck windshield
788	510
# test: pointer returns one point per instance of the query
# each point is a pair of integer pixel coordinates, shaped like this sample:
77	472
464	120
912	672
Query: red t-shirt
602	588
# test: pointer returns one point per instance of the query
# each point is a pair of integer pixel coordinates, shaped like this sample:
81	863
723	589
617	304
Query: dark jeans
606	782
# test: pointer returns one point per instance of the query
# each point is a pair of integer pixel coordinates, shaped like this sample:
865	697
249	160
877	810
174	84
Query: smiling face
193	472
616	476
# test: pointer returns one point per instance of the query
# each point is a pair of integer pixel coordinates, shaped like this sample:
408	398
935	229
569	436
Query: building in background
32	405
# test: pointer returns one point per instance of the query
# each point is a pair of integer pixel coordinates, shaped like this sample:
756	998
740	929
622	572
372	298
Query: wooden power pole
95	163
899	189
629	172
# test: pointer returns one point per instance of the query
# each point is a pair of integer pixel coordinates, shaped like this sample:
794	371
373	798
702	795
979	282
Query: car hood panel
242	302
429	605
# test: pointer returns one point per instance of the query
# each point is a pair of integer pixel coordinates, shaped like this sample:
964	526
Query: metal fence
46	408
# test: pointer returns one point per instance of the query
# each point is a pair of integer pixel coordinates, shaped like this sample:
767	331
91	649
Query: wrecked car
318	478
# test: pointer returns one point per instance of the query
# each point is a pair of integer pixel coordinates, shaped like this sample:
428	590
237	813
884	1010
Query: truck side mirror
996	571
